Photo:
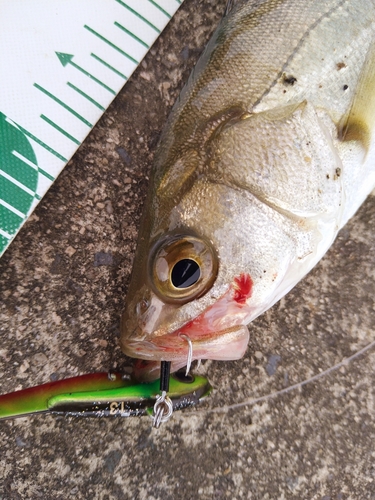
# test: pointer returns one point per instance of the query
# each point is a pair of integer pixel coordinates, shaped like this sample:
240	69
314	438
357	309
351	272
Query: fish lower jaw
223	346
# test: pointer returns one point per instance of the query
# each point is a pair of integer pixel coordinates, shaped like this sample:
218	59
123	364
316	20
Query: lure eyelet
182	268
181	376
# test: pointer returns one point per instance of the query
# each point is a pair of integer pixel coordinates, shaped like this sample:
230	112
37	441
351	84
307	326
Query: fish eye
182	268
185	273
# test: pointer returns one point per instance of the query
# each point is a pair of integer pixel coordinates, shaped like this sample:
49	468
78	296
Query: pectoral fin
231	5
358	123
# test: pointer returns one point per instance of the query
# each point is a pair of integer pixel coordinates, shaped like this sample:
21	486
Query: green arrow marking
66	59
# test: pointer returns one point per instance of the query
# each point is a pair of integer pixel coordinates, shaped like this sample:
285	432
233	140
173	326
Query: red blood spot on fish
242	287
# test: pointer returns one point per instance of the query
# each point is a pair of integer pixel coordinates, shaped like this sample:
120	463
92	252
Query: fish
267	153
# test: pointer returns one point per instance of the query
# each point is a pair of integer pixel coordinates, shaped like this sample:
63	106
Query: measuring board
61	63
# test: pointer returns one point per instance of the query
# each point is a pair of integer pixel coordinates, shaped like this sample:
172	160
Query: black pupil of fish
185	273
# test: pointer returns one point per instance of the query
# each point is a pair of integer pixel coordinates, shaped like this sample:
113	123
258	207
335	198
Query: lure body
101	395
266	155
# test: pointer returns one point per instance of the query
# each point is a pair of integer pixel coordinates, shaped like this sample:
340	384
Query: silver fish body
267	153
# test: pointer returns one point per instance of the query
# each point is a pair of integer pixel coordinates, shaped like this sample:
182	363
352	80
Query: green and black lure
103	395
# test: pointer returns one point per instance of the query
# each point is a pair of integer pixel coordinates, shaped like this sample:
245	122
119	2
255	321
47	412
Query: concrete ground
62	287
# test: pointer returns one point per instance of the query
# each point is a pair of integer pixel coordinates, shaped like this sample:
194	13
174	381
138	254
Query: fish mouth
227	345
218	333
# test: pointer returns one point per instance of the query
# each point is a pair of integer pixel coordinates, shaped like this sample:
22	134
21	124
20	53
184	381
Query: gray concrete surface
63	282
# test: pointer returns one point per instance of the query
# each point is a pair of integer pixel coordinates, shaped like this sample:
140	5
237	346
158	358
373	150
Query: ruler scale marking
101	37
97	58
16	168
32	165
59	129
43	144
160	8
46	174
65	106
125	30
83	94
137	14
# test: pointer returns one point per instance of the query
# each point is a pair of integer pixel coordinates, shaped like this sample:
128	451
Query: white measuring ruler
61	64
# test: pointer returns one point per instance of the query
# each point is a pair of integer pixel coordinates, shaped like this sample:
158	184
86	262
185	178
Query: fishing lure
104	395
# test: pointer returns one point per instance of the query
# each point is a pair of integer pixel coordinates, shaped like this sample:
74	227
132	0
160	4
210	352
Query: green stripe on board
109	66
59	129
111	44
160	8
46	174
83	94
37	197
20	170
138	15
14	195
65	106
16	182
43	144
10	221
131	34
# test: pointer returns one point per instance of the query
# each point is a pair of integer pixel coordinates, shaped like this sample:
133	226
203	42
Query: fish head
216	247
223	240
198	283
